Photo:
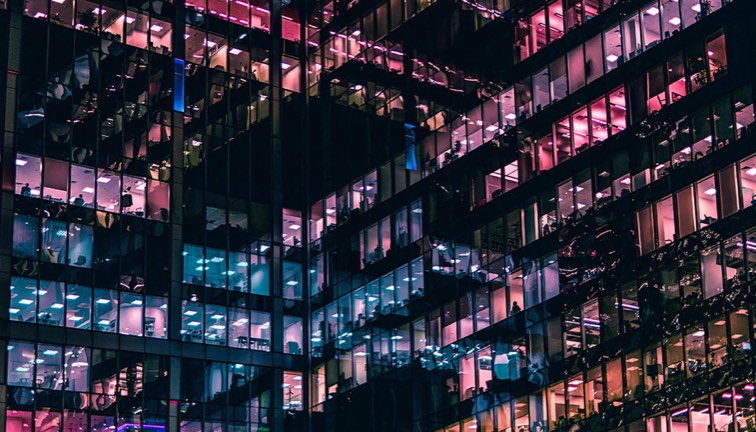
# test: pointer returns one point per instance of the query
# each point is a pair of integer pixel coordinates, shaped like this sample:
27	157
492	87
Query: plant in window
87	20
701	77
705	7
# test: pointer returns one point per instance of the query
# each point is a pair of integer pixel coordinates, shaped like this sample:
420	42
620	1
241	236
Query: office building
420	216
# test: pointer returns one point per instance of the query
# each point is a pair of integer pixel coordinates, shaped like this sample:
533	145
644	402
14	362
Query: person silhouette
127	200
515	308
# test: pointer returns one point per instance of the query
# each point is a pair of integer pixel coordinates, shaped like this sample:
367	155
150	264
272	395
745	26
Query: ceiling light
711	191
156	28
611	58
675	21
234	51
130	20
103	180
653	10
285	66
21	162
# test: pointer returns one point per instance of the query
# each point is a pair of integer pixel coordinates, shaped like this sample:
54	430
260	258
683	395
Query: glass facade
412	216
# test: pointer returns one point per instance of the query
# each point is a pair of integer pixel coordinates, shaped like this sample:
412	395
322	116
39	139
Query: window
215	324
576	67
541	90
109	191
54	234
556	20
131	314
259	325
51	303
292	278
728	191
293	334
651	24
23	300
80	244
686	221
748	180
670	18
21	364
744	115
156	317
82	186
631	37
28	175
25	237
538	30
707	206
105	311
78	307
594	61
613	48
665	221
292	384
